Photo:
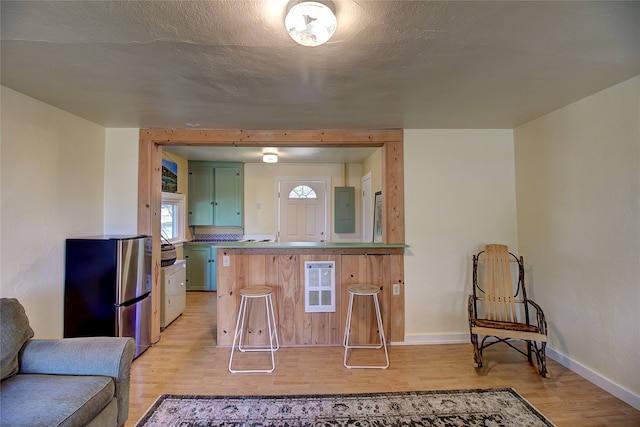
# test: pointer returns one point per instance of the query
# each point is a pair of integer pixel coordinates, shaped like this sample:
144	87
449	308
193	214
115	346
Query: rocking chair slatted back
500	301
499	308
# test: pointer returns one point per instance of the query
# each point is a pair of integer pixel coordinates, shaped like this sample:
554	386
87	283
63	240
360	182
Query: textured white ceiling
391	64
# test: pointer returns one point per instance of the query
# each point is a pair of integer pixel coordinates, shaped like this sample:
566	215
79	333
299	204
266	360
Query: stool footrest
364	290
375	346
273	344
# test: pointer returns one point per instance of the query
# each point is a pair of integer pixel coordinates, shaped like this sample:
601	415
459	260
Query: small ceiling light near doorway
270	158
310	23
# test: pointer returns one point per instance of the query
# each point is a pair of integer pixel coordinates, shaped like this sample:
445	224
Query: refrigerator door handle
133	301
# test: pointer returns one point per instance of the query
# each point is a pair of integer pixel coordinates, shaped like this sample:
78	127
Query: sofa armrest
105	356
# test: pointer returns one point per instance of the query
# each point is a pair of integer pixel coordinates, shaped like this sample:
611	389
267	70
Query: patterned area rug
489	407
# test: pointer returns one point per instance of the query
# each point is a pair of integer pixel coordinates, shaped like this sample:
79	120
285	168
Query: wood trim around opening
150	188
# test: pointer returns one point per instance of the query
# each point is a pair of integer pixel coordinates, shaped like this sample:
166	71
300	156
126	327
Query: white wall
459	195
52	181
121	182
260	197
578	187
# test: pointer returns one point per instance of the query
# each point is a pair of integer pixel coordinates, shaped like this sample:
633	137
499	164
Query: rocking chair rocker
500	313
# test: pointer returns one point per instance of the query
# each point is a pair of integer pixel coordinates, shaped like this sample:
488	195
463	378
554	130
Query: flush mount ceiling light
270	158
310	23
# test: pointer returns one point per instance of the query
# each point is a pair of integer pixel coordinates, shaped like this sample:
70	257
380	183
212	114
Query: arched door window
302	209
302	192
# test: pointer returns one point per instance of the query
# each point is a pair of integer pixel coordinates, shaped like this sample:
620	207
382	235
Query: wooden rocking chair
498	312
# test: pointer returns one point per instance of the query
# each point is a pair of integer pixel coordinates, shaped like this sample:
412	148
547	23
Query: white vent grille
319	286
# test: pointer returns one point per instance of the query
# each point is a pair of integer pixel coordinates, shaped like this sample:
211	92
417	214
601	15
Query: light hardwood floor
186	361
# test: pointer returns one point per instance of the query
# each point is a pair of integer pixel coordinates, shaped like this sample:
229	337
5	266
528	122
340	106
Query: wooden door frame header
277	138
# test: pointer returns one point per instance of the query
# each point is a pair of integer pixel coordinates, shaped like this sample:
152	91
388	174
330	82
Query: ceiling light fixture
310	23
270	158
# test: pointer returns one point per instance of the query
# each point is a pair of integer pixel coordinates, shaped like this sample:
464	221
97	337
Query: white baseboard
604	383
597	379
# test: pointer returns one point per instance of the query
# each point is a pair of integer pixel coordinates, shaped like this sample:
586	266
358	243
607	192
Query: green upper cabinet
216	193
227	206
200	194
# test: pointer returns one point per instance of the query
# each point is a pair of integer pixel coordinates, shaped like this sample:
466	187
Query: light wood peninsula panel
283	269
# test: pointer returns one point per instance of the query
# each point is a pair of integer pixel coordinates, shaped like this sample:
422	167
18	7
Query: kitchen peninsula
282	266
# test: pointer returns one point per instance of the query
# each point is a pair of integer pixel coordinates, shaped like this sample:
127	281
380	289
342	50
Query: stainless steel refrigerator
108	288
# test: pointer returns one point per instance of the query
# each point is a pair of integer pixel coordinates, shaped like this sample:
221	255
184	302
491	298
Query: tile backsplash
217	237
217	234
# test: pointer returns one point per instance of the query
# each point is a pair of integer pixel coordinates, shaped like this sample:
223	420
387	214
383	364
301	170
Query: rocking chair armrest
540	319
471	308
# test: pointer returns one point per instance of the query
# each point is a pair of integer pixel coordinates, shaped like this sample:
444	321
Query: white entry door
302	212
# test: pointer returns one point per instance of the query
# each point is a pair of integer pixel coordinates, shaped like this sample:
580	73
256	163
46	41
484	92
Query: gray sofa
65	382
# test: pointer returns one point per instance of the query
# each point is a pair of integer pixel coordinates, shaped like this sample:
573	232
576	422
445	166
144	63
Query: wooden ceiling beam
278	138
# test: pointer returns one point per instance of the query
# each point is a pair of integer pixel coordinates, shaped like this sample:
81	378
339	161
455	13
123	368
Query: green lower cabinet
201	268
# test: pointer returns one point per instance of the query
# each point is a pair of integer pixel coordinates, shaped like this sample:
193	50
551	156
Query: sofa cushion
14	332
53	400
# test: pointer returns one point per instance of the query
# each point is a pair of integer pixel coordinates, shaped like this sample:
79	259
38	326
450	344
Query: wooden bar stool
253	292
364	290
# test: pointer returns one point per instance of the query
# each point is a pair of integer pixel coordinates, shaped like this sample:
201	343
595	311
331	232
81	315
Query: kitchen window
172	217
